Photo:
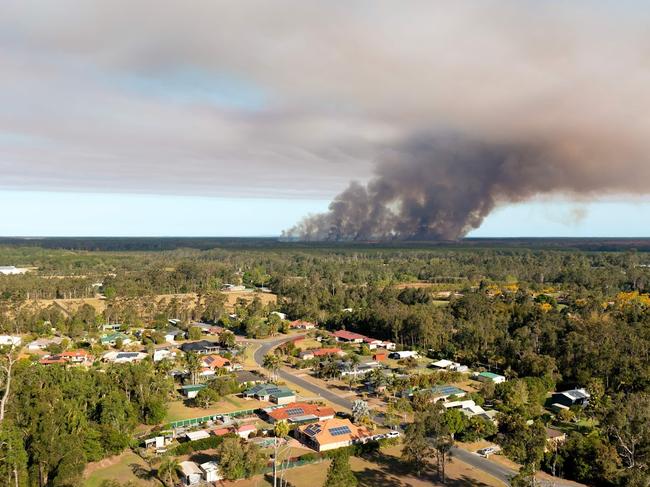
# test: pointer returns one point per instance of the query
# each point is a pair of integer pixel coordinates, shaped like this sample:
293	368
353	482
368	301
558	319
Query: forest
550	316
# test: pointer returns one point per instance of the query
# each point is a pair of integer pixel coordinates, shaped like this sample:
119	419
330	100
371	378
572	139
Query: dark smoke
441	188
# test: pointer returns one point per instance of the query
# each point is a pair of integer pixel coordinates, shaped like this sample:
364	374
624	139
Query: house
348	336
232	288
442	393
197	435
331	434
270	392
213	362
163	354
282	316
244	431
403	354
10	270
111	327
211	471
77	357
302	325
202	347
573	397
52	360
299	413
248	377
372	343
171	334
43	343
320	352
470	409
361	369
208	329
112	339
490	377
190	473
445	364
192	390
554	437
124	357
10	341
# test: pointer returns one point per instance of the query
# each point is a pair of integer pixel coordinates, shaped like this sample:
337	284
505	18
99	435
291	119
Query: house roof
553	433
197	435
190	468
319	352
215	361
348	335
201	345
270	390
334	430
576	394
443	364
193	387
76	353
446	391
490	375
301	324
296	410
244	376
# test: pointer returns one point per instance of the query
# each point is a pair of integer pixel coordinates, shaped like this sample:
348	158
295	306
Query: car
393	434
486	452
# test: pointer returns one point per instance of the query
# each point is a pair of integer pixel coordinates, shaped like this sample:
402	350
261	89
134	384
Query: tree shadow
142	472
201	457
373	478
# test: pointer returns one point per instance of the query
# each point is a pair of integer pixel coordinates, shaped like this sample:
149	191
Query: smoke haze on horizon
441	110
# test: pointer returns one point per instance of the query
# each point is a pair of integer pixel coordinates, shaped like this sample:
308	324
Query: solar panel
340	430
312	429
294	411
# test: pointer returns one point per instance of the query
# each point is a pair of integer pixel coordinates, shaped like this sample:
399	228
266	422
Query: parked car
486	452
393	434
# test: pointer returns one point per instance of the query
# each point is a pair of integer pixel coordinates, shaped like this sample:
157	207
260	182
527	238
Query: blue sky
228	118
38	213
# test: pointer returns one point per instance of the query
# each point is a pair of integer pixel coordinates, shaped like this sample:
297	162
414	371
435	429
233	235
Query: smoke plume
440	188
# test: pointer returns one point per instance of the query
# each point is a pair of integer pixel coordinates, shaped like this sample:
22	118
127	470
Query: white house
124	357
10	270
162	354
403	354
10	340
191	473
43	343
211	471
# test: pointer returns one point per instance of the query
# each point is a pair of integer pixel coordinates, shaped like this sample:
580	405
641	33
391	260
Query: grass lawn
383	469
308	343
249	361
122	468
177	410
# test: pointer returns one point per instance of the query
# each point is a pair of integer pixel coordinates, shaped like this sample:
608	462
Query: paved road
266	347
496	470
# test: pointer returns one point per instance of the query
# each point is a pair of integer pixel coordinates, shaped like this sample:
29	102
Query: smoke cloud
442	110
440	188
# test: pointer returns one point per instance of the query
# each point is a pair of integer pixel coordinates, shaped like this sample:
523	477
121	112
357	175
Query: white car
393	434
486	452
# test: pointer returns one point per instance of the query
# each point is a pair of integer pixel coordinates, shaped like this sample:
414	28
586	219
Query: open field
177	410
69	306
123	468
383	469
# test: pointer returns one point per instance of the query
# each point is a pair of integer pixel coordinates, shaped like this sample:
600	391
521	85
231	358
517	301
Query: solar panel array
312	429
295	411
340	430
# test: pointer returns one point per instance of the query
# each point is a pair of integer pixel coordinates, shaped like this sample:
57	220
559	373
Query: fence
204	419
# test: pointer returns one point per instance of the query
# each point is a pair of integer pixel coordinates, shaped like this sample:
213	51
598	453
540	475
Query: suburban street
497	471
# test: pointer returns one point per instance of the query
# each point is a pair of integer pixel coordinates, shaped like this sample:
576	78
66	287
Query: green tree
417	449
281	429
13	459
339	473
272	363
195	333
168	470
